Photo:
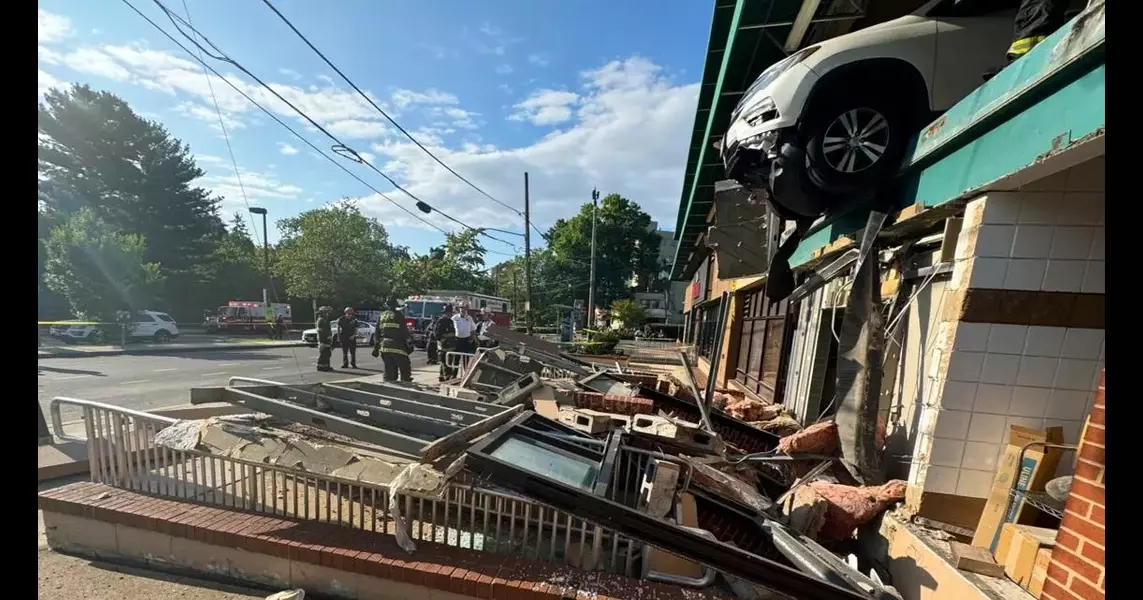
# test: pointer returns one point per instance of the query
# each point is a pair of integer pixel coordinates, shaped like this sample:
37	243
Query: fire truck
243	315
419	310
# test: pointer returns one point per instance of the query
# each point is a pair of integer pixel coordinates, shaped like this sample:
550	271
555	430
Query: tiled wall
1048	237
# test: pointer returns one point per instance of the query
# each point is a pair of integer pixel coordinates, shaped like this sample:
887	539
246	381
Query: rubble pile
726	495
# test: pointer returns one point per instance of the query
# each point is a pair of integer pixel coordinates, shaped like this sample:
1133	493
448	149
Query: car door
972	38
143	325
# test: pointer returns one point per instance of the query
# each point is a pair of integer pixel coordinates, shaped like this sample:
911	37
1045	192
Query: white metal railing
122	453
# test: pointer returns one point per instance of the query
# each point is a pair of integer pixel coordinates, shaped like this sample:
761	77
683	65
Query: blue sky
579	94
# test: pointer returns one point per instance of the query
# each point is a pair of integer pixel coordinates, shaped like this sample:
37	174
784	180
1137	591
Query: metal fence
122	453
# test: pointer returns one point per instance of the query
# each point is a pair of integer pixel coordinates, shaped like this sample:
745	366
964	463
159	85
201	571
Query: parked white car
366	334
151	325
835	119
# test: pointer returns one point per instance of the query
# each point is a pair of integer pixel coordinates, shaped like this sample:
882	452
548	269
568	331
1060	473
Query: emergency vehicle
420	309
243	315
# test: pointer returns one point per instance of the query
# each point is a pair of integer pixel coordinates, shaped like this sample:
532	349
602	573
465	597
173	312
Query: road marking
271	368
227	364
68	377
214	374
165	370
137	381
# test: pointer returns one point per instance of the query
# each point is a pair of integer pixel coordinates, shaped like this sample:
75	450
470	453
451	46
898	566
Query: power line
339	146
280	121
380	110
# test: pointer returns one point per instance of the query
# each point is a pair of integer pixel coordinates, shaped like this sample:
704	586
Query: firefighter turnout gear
347	336
1035	20
444	331
431	342
325	339
393	345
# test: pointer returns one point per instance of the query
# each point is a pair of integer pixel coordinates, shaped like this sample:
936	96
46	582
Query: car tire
162	336
855	141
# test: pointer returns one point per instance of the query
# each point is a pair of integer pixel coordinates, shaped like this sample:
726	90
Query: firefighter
445	334
393	344
431	342
1035	20
325	341
347	335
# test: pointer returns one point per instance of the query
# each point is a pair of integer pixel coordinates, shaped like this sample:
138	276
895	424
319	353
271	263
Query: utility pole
591	284
527	259
515	293
258	210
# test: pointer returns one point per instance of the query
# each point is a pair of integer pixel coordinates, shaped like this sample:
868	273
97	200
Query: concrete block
585	420
657	491
679	432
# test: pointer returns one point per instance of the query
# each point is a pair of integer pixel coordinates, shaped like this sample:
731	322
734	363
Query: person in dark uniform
325	339
347	335
280	327
393	344
431	343
445	334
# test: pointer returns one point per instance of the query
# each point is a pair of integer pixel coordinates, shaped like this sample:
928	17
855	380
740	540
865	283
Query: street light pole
527	259
591	284
258	210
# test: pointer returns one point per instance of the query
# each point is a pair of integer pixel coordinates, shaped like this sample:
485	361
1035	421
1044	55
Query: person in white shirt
482	329
465	331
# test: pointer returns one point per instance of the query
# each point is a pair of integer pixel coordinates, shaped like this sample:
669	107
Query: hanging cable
340	146
281	122
383	113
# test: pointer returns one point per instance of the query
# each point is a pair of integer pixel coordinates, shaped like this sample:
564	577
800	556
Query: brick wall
1077	567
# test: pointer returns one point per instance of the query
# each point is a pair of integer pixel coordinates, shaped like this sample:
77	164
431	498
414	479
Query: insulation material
819	438
780	426
849	507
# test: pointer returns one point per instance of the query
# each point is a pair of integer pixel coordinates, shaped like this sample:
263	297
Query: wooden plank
975	560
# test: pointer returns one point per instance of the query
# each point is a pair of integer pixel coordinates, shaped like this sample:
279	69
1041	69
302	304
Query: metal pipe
704	412
57	420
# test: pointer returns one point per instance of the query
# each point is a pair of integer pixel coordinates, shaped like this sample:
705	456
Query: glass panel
529	455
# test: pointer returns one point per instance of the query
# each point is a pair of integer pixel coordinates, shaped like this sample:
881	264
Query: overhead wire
339	147
382	111
281	122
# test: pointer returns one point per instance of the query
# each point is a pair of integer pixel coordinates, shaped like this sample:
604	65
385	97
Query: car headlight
761	112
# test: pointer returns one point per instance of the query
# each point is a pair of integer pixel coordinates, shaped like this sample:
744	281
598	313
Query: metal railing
122	453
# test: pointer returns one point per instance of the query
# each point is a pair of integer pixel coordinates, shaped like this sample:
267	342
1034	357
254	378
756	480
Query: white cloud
48	81
357	129
292	74
403	98
503	69
540	59
208	115
258	187
53	27
628	136
94	62
545	107
287	149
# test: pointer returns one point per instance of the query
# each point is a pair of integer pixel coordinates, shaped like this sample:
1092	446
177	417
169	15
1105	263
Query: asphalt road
149	382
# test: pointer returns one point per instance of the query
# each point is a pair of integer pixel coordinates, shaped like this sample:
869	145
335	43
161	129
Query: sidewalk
91	350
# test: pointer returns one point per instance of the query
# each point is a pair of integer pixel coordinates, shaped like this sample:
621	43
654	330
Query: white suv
836	118
145	324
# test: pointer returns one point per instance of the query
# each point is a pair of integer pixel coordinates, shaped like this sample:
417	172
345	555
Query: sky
581	95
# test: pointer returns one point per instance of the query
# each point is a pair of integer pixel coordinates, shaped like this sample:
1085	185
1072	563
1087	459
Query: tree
457	265
95	153
98	270
627	312
336	255
234	270
627	248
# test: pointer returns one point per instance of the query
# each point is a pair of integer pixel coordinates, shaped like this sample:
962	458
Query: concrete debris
749	409
781	426
847	507
715	481
806	511
298	594
423	481
819	438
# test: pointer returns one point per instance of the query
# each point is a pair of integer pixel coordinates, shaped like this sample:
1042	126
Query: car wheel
855	141
97	337
162	336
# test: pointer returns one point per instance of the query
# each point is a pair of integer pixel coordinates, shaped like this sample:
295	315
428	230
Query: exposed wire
281	122
175	19
383	113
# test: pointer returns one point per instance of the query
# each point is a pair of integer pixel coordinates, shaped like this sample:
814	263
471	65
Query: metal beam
396	442
421	409
388	390
375	415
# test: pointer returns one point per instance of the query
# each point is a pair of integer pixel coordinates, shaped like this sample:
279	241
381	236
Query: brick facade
1077	568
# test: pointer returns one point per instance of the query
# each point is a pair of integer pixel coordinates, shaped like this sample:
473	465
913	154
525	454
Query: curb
174	350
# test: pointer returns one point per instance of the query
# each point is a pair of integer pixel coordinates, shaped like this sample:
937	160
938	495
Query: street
149	382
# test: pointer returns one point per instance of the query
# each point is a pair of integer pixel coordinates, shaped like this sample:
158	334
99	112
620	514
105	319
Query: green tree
628	312
95	153
336	255
234	270
457	265
627	248
97	269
